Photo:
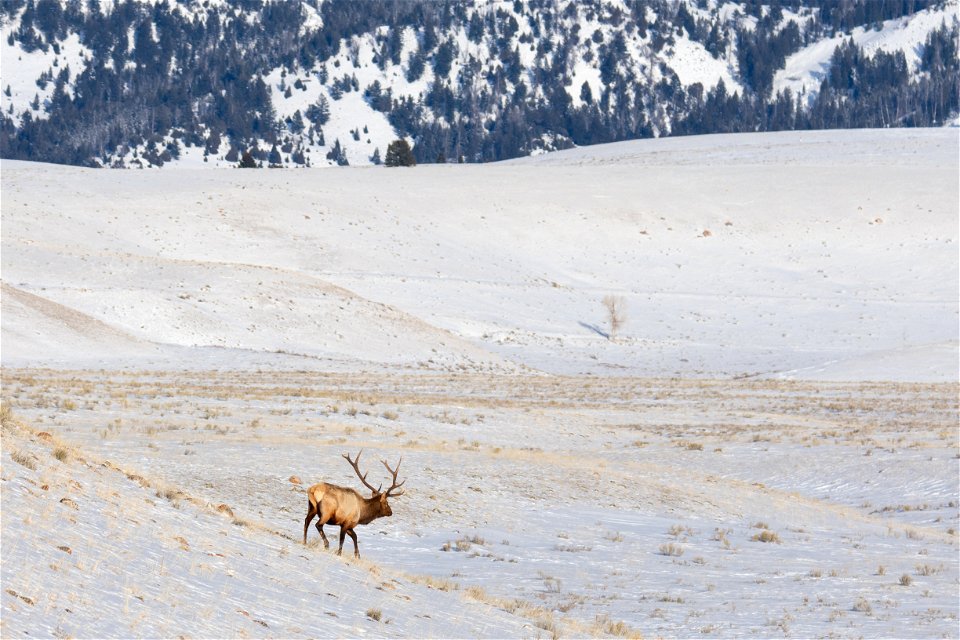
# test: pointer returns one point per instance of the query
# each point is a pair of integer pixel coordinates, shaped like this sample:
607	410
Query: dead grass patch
766	536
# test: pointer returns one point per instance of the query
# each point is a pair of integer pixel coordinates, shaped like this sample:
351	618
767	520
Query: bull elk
346	507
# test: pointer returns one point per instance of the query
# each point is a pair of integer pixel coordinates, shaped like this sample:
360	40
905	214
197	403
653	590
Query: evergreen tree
275	160
338	154
586	95
399	154
319	112
247	161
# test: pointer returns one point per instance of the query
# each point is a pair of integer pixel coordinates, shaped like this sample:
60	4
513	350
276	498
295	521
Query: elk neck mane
369	509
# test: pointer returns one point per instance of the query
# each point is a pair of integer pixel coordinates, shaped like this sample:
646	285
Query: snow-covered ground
767	448
811	254
534	507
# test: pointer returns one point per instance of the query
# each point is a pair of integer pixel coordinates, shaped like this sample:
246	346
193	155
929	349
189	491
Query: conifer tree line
196	77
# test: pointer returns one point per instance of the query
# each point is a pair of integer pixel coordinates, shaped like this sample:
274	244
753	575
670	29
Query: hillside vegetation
308	83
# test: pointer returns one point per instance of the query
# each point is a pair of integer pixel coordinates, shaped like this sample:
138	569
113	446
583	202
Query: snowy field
768	448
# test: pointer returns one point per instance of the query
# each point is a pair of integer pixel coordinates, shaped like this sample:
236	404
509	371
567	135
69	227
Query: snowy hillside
805	69
308	83
766	448
85	521
817	254
167	503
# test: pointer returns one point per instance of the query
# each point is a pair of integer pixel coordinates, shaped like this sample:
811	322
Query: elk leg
343	534
326	543
311	512
356	550
325	515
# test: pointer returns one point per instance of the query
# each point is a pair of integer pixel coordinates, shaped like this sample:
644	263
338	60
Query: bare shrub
720	535
617	629
671	549
927	570
6	415
477	593
766	536
616	313
23	459
905	580
374	614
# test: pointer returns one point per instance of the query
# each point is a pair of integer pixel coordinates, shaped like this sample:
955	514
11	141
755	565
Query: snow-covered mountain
324	83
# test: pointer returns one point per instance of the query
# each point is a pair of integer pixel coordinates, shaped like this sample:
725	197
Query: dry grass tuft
928	570
477	593
374	614
23	459
606	627
671	549
7	418
766	536
440	584
863	606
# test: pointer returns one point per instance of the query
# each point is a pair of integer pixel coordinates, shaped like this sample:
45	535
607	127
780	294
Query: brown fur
346	508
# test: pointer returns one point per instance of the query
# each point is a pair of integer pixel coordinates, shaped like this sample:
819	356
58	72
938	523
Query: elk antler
394	474
363	477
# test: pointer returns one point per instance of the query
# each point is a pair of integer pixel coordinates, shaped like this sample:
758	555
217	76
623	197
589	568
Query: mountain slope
332	83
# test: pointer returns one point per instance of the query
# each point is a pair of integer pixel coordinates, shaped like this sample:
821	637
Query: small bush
766	536
905	580
6	415
23	459
618	629
477	593
862	605
671	549
720	535
374	614
927	570
61	454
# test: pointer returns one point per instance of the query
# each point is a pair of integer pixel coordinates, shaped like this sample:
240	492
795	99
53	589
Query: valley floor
171	503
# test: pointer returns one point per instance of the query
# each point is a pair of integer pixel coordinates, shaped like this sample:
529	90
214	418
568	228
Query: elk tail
314	496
